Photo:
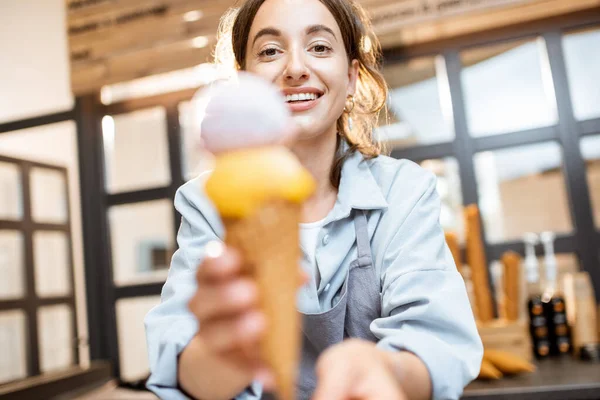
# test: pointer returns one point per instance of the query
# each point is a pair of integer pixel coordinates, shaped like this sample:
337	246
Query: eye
321	48
269	52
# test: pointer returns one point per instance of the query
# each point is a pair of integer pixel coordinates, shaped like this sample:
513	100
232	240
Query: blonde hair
360	43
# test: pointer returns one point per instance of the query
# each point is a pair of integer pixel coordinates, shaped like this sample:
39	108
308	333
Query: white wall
34	68
34	81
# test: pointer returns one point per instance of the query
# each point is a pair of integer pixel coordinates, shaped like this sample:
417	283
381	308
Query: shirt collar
358	187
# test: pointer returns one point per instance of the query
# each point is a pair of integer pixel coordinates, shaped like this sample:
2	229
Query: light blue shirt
424	310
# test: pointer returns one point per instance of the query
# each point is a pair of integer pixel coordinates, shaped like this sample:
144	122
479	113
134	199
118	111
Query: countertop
555	379
558	379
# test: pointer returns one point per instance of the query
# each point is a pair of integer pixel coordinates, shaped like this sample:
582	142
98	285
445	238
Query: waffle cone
268	240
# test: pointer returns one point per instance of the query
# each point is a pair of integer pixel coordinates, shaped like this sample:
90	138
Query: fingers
379	384
333	385
346	381
219	300
222	290
334	379
353	370
220	264
226	306
231	334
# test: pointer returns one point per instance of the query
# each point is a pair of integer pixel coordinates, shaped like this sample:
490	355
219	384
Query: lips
302	99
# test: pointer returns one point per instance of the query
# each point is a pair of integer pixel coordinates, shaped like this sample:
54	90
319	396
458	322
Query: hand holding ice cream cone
258	186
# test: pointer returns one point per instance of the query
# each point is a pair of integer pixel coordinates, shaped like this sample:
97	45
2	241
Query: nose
296	68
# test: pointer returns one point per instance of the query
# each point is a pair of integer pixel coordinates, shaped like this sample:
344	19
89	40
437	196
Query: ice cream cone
268	240
258	186
259	194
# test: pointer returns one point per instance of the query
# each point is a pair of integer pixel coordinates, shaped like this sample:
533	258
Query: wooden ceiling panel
138	37
117	40
139	64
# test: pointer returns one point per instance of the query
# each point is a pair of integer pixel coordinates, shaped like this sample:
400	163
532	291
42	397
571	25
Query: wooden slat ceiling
119	40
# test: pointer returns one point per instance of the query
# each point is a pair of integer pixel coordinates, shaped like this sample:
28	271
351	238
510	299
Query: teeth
301	97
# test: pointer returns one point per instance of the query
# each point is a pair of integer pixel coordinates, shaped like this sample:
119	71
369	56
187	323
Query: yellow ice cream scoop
245	179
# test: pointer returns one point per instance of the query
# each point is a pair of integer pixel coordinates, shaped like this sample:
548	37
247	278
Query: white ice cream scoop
246	111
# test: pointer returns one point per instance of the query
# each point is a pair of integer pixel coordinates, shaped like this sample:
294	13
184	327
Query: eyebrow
319	28
309	31
266	32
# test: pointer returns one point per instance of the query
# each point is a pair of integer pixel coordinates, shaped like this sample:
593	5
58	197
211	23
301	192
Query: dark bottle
555	308
538	323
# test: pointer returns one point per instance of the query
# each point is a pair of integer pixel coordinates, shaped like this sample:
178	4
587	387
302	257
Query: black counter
558	379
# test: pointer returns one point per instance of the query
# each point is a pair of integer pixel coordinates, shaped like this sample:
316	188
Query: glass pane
12	284
133	355
136	152
522	190
507	88
11	198
418	107
194	162
56	337
52	264
13	363
48	196
590	148
583	70
142	241
449	190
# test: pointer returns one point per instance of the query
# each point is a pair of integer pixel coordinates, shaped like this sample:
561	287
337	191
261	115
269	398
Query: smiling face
298	45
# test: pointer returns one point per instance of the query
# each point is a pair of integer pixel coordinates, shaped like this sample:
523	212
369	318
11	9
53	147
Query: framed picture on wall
153	255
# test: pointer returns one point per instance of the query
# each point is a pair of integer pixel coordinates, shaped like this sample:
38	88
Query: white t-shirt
309	235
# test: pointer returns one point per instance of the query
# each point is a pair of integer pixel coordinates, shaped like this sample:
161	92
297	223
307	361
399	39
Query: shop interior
499	99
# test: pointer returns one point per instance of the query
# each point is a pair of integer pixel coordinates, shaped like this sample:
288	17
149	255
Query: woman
380	272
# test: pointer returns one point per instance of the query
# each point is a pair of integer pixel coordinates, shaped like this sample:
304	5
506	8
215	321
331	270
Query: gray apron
358	305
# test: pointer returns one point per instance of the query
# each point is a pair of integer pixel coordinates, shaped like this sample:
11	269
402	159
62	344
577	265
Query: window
136	152
583	70
10	192
419	111
137	232
13	336
56	337
193	160
522	190
449	191
590	149
12	268
49	202
507	88
51	261
44	232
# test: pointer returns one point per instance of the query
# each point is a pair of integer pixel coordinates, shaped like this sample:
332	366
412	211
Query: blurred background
499	98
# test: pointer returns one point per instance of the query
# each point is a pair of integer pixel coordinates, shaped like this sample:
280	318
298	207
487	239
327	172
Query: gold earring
349	110
350	122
